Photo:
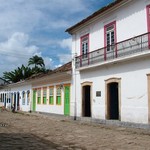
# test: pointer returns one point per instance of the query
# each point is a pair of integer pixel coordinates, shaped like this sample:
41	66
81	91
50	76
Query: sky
37	27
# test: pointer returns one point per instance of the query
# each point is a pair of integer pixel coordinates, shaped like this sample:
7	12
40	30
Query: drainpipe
75	106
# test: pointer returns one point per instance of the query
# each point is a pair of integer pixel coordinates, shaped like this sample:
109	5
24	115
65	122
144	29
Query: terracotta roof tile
63	68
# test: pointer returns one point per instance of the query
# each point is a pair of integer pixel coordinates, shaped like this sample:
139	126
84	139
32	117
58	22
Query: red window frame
81	39
105	37
148	23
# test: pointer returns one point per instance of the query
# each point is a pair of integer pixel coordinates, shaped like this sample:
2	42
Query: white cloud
59	65
64	58
48	62
16	51
18	45
24	16
66	43
29	26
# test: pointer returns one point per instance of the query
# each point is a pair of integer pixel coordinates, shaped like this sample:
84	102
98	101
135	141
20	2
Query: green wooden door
67	100
34	101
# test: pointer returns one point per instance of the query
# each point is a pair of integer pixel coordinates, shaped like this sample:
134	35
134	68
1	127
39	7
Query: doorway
67	100
113	98
18	102
34	101
5	100
14	101
86	101
113	101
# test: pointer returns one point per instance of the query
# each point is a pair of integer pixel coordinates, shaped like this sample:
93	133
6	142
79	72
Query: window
28	97
51	95
58	96
110	36
44	95
39	96
23	98
85	46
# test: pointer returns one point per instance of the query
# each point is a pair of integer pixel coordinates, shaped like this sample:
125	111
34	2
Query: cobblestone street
36	131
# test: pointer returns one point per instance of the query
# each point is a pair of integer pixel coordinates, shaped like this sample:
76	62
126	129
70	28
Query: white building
111	70
5	95
17	95
44	92
52	91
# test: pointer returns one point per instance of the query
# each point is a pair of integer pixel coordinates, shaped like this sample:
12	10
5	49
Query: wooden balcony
132	46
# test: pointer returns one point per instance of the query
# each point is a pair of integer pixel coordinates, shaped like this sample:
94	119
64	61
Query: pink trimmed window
148	22
110	36
84	46
110	40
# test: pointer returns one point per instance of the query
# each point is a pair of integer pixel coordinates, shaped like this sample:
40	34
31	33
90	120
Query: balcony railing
119	50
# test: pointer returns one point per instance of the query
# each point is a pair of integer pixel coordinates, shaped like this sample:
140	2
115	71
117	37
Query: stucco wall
131	20
134	98
20	89
53	108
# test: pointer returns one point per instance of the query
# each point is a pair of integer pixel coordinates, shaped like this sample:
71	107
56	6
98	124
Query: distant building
49	93
52	92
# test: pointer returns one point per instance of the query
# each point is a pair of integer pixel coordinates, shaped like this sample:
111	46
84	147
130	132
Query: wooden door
34	101
67	100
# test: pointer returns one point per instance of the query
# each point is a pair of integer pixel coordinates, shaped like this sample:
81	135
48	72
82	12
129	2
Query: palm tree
26	71
21	73
36	61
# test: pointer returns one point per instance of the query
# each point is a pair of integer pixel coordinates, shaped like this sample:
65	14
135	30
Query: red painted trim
105	43
88	49
81	38
116	50
148	23
118	42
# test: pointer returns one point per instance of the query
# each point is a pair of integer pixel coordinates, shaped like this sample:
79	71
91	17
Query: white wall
55	109
134	98
131	20
20	89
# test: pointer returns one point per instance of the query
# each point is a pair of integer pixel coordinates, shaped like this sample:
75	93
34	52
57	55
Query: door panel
67	100
34	101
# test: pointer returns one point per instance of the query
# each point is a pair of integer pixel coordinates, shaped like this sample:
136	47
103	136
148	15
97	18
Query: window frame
148	23
85	54
28	97
51	95
44	95
58	95
23	98
105	39
39	96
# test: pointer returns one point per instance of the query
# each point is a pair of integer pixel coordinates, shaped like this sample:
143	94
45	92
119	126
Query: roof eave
100	13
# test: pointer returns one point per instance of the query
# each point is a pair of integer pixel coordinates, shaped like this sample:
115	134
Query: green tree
21	73
36	61
24	72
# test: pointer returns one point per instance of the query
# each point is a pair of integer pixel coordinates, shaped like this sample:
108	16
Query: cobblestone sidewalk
41	132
